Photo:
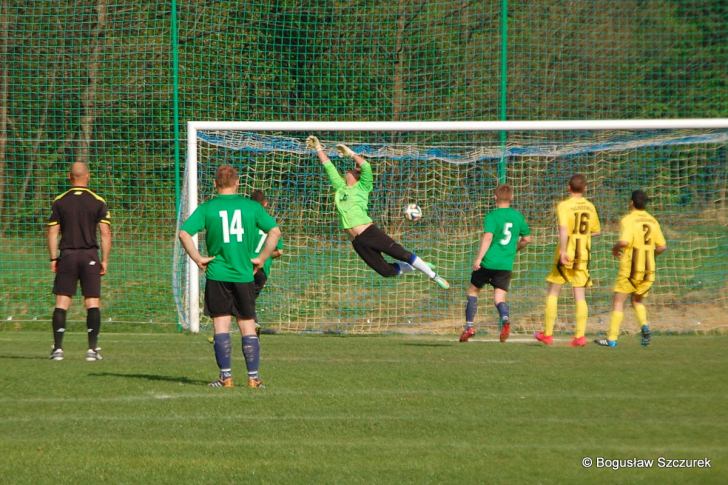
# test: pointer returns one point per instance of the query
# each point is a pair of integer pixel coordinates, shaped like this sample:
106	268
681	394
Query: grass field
361	410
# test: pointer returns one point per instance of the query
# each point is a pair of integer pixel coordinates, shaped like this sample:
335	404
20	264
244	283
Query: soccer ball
412	212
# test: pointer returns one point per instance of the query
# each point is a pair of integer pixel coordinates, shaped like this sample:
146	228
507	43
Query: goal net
450	170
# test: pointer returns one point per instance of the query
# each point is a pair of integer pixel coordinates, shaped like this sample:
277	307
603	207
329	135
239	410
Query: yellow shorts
578	278
628	286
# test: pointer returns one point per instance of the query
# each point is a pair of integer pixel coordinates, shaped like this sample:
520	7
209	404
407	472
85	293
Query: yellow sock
582	313
641	312
549	319
614	324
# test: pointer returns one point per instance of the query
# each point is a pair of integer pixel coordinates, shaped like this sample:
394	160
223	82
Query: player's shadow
24	357
428	344
151	377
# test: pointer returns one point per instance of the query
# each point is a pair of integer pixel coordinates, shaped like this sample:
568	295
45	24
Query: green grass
360	410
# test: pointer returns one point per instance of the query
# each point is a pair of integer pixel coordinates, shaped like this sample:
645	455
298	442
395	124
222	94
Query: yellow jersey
642	234
581	220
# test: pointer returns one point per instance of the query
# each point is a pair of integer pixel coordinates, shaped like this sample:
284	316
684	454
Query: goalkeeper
352	198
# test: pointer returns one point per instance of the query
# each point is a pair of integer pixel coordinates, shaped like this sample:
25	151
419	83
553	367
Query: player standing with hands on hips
505	232
231	223
75	216
351	196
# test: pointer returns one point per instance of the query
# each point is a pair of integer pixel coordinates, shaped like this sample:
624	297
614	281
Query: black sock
93	325
59	327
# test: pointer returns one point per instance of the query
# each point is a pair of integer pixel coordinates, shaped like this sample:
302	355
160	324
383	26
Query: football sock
582	313
471	308
418	264
59	327
223	349
251	352
614	324
549	318
403	267
641	312
93	327
503	311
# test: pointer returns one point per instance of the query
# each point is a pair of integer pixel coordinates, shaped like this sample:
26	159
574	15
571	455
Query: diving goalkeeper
352	198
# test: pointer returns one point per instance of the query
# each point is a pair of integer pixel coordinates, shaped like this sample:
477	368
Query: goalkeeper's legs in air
370	243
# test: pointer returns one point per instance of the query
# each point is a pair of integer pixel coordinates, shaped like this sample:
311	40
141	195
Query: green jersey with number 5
507	226
231	224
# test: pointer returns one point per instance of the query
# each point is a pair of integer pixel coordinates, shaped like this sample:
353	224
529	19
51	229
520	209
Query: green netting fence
113	82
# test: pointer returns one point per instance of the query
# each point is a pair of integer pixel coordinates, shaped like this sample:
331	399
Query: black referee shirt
78	211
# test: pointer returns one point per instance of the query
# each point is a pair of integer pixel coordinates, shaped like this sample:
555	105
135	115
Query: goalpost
450	170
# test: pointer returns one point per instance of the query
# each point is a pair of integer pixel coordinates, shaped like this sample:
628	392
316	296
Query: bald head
79	173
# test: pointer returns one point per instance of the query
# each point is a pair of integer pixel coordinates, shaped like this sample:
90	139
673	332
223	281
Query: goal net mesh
321	285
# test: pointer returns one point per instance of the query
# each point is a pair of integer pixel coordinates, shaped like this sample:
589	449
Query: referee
75	215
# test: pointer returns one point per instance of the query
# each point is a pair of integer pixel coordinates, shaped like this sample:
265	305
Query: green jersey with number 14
231	223
507	226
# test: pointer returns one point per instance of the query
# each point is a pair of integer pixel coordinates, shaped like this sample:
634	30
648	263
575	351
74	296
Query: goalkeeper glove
313	143
345	151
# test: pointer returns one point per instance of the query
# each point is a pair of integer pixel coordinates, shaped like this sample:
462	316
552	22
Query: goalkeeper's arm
313	143
345	151
337	181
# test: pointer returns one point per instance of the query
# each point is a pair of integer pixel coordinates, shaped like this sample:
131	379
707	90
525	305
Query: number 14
234	227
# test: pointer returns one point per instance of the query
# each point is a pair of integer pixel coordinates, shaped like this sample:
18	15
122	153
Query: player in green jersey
505	232
352	199
261	275
231	224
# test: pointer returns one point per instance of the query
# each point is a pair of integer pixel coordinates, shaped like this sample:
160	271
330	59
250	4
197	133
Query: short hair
577	183
504	192
78	170
639	199
258	196
226	176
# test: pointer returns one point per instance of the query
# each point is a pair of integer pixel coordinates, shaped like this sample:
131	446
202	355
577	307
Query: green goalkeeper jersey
507	226
351	201
231	224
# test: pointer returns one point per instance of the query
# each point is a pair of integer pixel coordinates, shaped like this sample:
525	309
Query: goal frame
192	288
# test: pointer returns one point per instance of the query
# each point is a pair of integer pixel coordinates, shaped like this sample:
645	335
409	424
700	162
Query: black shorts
236	299
370	245
497	278
76	265
260	278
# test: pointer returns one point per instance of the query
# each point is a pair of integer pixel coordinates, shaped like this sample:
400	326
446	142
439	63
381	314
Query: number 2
647	232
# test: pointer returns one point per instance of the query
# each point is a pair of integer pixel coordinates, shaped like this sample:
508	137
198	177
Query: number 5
506	233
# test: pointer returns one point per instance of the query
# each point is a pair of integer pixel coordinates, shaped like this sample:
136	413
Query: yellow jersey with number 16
581	220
